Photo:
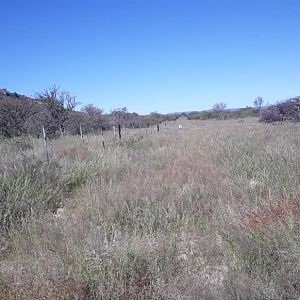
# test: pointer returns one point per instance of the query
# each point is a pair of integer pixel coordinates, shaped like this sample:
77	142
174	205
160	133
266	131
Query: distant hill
7	95
228	110
186	113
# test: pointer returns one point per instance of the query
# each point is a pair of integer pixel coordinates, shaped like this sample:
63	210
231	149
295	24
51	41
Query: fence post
115	131
103	144
81	134
61	131
157	127
119	130
45	144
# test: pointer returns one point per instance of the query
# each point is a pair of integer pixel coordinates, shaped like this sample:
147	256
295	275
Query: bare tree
119	115
93	118
220	108
59	104
258	102
92	110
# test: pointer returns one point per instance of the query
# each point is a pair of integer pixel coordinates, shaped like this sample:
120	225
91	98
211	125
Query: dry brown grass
209	211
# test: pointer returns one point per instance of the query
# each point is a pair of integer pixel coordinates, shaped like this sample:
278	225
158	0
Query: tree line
55	109
285	110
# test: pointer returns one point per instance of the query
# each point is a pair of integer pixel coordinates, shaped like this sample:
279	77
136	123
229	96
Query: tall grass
208	211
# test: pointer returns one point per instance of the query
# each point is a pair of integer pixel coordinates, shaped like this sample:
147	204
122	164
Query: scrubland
209	211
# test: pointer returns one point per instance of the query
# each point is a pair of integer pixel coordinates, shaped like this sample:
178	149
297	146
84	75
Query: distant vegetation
226	114
283	111
54	109
287	110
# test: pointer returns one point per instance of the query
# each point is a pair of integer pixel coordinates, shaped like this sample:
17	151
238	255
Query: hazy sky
153	55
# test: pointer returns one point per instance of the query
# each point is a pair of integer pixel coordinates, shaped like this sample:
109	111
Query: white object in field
59	213
180	126
253	183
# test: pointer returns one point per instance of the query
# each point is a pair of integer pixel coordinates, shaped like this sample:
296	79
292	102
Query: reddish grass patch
278	211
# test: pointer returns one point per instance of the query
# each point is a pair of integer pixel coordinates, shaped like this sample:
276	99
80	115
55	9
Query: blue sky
153	55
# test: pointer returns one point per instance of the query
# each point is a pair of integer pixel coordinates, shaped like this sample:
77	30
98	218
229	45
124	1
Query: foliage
15	113
283	111
157	118
202	115
59	104
236	114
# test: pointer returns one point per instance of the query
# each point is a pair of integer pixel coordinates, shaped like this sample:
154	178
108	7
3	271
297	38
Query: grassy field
209	211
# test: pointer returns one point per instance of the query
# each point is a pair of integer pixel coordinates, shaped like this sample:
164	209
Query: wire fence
106	138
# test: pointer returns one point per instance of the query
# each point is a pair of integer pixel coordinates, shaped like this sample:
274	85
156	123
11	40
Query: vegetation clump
288	110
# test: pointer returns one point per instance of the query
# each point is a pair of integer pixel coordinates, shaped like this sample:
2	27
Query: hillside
7	95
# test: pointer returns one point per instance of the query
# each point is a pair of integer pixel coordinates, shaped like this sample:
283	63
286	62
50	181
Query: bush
282	111
202	115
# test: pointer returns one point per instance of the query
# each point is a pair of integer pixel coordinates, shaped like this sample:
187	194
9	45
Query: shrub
282	111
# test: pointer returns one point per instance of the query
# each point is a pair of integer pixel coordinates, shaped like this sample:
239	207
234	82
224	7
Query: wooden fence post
157	127
61	131
103	144
45	144
119	130
115	131
81	134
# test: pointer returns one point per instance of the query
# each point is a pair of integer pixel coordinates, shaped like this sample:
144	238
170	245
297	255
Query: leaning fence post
157	127
45	144
81	134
